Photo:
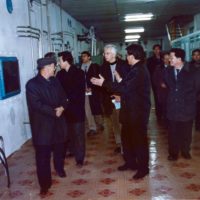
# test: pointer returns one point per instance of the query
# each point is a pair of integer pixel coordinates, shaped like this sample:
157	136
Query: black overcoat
95	99
43	96
135	95
182	93
73	82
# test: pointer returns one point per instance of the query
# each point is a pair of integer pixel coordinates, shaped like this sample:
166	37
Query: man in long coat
134	90
46	101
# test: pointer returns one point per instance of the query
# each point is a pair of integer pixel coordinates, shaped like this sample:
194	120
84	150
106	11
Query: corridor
99	179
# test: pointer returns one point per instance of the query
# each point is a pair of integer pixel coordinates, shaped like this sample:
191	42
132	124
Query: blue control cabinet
9	77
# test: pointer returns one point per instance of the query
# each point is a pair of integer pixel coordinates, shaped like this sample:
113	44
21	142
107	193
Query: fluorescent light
132	36
134	30
131	40
134	20
138	17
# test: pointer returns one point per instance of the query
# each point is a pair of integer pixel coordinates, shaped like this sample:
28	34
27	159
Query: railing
4	161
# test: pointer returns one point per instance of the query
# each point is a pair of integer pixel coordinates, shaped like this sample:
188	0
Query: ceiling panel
107	16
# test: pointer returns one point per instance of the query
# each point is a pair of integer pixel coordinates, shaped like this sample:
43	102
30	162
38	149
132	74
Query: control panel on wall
9	77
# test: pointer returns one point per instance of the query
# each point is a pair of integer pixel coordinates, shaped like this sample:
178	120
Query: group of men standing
58	105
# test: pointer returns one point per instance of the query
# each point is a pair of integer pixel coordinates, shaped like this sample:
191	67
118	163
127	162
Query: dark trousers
179	137
158	106
197	120
135	146
77	140
162	106
43	158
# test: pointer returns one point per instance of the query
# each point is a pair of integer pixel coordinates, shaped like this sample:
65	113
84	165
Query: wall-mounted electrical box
9	77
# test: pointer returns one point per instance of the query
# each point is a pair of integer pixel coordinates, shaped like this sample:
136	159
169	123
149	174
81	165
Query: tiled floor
99	178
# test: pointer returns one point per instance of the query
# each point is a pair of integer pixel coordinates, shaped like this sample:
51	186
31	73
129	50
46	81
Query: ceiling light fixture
132	37
132	40
138	17
134	30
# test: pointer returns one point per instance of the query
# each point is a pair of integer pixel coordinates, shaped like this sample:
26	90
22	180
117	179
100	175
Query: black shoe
140	174
126	167
117	150
197	128
101	128
186	156
43	191
62	174
172	158
123	167
69	155
79	164
91	132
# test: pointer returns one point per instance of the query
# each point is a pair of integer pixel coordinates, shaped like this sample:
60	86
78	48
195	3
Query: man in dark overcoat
73	81
183	87
134	90
154	62
46	102
93	103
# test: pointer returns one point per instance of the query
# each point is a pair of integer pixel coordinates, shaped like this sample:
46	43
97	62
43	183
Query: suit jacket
43	97
122	68
152	64
158	79
73	82
183	91
135	95
95	99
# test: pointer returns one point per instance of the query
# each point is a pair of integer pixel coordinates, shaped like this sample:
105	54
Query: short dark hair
66	56
87	53
50	55
157	45
137	51
164	54
195	50
179	53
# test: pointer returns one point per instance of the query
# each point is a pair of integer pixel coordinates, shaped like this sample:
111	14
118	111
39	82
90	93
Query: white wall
13	112
14	120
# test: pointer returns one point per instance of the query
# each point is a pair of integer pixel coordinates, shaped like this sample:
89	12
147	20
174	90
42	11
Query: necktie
177	71
85	75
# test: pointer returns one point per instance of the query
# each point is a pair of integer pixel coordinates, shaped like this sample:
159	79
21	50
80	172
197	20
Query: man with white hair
112	64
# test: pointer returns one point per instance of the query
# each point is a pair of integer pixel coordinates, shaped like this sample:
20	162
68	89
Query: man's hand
59	111
97	81
88	89
117	98
117	76
163	85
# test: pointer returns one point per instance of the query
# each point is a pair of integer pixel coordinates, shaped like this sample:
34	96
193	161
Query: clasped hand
59	111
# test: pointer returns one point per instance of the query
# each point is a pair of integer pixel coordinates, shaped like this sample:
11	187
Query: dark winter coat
135	95
95	99
73	82
43	97
182	96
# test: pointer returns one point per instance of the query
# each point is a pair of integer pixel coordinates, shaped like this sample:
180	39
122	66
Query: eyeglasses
57	66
